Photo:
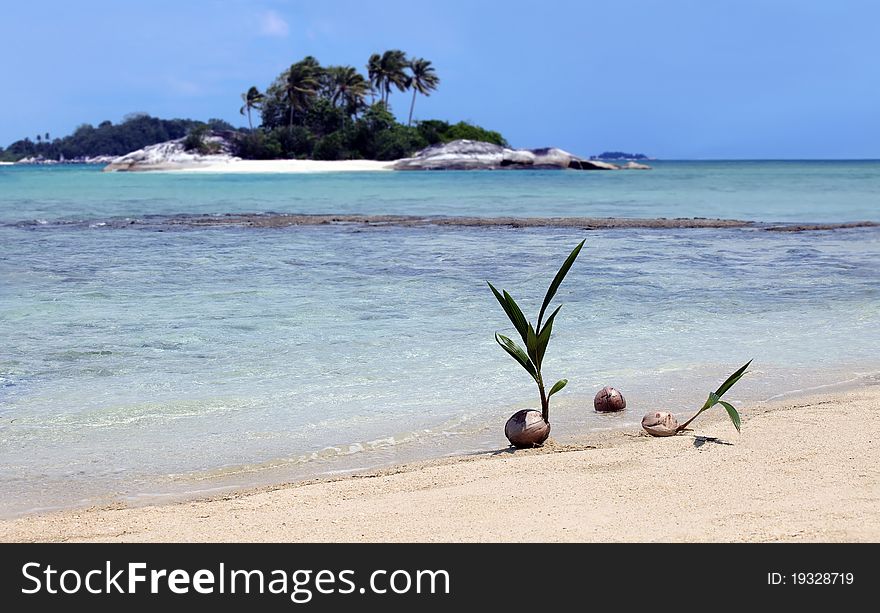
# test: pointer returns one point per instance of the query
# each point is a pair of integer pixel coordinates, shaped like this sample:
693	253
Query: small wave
841	385
332	453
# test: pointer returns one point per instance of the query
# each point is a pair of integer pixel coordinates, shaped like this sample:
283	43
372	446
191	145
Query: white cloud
182	87
273	24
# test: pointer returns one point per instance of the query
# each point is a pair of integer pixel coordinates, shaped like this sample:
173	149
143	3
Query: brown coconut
526	428
609	400
660	423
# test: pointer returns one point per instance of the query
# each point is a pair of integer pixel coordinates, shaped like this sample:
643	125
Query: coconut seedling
662	423
530	428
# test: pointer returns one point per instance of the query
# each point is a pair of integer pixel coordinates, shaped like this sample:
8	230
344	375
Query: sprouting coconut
662	423
528	428
609	400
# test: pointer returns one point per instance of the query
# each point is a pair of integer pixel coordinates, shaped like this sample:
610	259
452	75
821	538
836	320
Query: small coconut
660	423
609	400
526	428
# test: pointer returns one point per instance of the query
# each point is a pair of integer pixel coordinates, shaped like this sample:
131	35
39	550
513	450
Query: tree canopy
318	111
135	132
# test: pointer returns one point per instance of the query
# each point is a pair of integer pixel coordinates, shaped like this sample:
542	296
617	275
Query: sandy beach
237	166
802	470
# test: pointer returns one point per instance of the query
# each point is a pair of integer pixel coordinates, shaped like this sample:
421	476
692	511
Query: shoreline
618	486
297	469
290	166
239	166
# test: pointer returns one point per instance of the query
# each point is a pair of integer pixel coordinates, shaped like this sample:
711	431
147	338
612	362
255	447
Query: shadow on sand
699	441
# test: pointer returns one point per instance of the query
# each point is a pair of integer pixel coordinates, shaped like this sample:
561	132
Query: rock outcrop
457	155
475	155
461	155
171	155
579	164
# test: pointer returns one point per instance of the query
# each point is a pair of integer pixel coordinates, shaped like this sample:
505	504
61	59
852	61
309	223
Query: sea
145	362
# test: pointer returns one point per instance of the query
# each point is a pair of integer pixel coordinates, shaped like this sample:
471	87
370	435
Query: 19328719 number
822	578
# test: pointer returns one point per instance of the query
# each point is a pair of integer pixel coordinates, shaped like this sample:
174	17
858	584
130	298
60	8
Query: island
312	118
619	155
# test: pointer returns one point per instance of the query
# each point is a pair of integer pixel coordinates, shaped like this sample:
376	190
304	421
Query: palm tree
423	80
46	138
373	66
253	99
389	72
348	88
302	84
39	138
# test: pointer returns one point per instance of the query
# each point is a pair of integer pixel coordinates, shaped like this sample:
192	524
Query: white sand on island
802	470
282	166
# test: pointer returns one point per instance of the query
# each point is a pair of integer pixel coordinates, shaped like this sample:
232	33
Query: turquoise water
764	191
139	363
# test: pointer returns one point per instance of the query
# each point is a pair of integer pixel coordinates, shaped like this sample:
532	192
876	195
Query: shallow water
763	191
139	363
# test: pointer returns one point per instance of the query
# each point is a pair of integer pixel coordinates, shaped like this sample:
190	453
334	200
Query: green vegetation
135	132
197	140
387	71
323	112
423	81
619	155
715	398
308	111
535	337
435	131
252	99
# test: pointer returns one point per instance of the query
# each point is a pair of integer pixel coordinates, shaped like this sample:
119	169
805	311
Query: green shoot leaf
715	398
711	401
518	322
517	354
549	319
532	344
732	379
544	338
731	411
557	280
557	386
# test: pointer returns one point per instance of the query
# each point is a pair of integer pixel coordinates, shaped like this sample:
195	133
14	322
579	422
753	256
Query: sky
675	79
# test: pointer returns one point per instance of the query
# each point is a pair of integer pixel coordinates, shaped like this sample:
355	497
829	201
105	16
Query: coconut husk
660	423
526	428
609	400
